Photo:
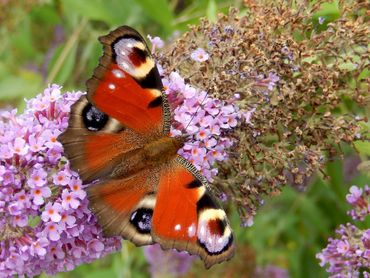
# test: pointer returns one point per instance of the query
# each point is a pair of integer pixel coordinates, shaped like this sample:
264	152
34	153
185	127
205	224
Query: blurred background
50	41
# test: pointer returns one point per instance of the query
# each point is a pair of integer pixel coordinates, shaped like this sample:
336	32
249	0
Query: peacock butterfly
118	136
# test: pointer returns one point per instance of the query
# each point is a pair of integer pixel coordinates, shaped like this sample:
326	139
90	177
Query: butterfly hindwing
125	206
187	217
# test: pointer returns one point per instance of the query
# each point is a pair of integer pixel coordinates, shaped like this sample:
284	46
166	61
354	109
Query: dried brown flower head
302	78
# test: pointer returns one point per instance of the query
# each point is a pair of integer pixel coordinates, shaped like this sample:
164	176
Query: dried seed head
294	77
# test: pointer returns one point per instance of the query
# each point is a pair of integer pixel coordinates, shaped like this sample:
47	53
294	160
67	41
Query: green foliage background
49	41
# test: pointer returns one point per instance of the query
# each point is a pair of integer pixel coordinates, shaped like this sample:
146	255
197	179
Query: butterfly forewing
126	84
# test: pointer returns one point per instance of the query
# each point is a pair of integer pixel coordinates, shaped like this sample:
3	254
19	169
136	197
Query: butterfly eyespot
142	220
93	118
217	226
138	56
215	244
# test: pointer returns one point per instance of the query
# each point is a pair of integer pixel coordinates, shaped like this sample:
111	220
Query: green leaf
46	14
103	272
67	65
91	9
329	12
26	84
363	147
212	11
335	171
34	221
364	74
159	11
22	41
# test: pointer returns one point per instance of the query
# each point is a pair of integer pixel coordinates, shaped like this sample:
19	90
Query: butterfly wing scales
94	154
129	113
190	219
127	77
120	210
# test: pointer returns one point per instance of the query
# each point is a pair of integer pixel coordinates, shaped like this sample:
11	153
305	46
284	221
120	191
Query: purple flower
52	93
199	55
169	262
359	199
271	271
21	220
156	42
348	254
76	186
248	115
19	147
51	212
39	195
355	194
37	178
62	178
321	20
36	145
37	247
69	200
37	187
267	82
205	120
343	246
53	231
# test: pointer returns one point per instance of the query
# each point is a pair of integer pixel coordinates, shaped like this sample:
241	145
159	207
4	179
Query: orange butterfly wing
187	217
127	85
124	107
124	208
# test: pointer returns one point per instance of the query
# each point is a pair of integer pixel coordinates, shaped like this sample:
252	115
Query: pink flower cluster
359	199
45	223
348	255
207	121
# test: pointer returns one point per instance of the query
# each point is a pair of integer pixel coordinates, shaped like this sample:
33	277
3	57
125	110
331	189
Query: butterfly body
163	150
118	136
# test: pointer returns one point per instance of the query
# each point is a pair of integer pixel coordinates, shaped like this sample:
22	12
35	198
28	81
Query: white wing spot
177	227
111	86
191	230
118	73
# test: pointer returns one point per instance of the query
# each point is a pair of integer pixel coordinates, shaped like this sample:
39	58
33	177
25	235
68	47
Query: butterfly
118	137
